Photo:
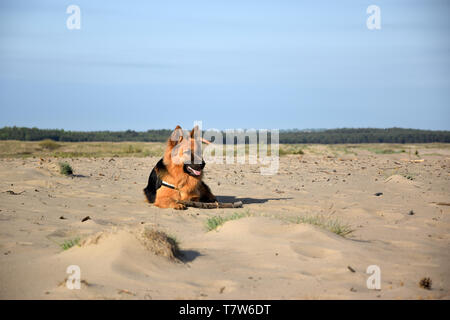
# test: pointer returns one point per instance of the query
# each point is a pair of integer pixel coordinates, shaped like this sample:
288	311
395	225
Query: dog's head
185	149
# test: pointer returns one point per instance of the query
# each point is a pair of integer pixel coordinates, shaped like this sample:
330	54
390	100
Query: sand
263	255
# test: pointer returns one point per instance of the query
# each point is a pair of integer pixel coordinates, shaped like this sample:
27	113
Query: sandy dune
262	256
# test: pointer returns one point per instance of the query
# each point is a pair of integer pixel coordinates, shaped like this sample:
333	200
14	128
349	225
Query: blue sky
232	64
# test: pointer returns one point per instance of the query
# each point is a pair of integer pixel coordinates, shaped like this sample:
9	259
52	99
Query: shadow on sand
78	176
189	255
247	200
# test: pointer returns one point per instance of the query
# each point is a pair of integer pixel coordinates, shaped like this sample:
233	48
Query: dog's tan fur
187	187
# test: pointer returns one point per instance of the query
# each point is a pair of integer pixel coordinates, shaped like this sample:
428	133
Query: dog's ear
205	141
176	136
194	131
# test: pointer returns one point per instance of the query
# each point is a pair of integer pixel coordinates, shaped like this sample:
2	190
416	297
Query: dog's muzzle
194	169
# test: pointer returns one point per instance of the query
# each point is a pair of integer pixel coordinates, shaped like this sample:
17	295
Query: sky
259	64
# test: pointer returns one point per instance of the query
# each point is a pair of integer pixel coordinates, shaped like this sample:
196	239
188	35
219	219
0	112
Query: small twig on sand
126	291
413	160
442	203
14	193
391	168
210	205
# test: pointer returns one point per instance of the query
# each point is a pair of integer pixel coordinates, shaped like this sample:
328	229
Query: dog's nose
198	166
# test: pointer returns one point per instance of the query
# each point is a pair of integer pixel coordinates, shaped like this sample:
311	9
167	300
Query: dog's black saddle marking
154	181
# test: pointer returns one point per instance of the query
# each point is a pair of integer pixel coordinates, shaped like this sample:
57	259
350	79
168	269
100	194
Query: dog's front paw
180	206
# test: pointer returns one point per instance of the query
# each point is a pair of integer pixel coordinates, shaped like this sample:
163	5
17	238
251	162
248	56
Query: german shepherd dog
178	175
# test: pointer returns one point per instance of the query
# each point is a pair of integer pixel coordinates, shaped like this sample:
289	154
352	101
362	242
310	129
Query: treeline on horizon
323	136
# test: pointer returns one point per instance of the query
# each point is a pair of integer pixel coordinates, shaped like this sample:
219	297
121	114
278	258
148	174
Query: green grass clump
333	225
71	155
339	149
291	149
385	151
70	243
65	168
49	144
299	151
390	151
216	221
381	149
132	149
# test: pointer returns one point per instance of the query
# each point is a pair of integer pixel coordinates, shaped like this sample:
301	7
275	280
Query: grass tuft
160	243
291	149
333	225
216	221
70	243
49	144
130	149
65	168
299	151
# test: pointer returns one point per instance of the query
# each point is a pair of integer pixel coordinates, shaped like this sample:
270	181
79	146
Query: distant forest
323	136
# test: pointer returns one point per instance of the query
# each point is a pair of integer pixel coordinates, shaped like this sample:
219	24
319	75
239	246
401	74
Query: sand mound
248	258
222	263
155	241
241	260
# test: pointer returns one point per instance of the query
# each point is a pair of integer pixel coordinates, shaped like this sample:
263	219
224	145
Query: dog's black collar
168	185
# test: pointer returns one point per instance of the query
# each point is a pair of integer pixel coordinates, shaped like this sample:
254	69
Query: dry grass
160	244
334	225
49	148
49	144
